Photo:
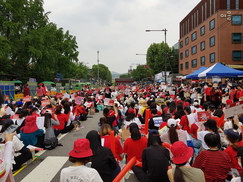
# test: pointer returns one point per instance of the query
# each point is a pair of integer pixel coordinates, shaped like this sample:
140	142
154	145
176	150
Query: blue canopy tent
194	75
220	70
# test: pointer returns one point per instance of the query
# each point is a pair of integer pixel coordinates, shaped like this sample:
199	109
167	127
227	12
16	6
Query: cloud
117	27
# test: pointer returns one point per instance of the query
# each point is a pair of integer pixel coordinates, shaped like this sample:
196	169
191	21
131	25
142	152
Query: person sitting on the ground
214	162
102	160
80	156
135	145
155	160
182	170
30	134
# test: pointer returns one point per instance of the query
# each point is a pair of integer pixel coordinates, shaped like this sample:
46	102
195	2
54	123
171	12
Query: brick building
210	33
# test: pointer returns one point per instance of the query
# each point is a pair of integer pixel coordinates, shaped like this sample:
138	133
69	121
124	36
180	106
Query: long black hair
95	141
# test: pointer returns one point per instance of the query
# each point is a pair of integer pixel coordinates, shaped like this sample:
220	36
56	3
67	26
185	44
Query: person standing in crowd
39	91
182	171
155	160
80	156
102	160
156	120
26	90
214	162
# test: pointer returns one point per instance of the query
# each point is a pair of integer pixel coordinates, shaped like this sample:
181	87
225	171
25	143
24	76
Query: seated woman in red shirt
105	130
63	119
134	146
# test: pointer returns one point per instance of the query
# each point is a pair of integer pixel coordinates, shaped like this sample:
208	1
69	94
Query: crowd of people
177	146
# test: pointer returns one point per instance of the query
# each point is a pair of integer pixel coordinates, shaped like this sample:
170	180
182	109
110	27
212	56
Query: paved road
48	165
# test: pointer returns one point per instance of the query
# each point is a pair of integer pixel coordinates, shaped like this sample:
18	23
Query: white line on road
46	170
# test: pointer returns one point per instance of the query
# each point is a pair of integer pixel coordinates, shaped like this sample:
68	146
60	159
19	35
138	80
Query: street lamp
98	68
163	30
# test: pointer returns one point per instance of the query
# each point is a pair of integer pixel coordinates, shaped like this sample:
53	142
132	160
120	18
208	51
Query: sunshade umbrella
17	81
48	82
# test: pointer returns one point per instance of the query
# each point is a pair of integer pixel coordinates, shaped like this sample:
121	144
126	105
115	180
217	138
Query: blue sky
117	27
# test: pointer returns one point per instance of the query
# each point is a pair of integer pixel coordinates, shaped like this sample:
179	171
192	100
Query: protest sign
45	102
233	109
40	122
108	102
203	116
78	100
27	99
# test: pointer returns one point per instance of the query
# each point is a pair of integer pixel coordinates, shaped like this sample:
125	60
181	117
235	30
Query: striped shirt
215	165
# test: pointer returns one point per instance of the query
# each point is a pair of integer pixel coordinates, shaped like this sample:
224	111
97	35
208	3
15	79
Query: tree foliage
104	73
32	46
142	71
161	57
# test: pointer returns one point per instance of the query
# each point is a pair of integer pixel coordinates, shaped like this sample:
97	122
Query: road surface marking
46	170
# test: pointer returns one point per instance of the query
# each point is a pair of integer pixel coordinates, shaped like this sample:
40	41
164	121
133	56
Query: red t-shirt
118	148
63	118
193	130
185	123
207	91
234	160
135	148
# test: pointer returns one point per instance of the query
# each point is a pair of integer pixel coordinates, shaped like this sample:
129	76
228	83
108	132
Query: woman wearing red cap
80	156
182	171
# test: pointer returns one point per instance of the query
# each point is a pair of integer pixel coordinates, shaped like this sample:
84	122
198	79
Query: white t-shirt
135	120
200	136
79	173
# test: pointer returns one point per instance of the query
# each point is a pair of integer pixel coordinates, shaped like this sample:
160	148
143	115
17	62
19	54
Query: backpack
50	143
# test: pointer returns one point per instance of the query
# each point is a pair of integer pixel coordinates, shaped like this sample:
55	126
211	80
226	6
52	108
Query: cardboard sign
159	100
59	95
45	102
78	100
203	116
108	102
27	99
233	109
48	93
40	122
89	104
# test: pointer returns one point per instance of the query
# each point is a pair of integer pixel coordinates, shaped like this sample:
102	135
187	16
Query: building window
187	65
228	4
202	60
237	55
194	50
236	38
181	66
212	41
181	44
202	30
212	57
236	4
181	55
187	41
187	53
212	24
194	36
202	45
236	19
194	63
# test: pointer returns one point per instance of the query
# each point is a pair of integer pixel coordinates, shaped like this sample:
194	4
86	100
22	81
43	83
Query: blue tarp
194	75
220	70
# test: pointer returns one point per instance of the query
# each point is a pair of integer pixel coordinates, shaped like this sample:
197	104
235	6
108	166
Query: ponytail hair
173	136
178	175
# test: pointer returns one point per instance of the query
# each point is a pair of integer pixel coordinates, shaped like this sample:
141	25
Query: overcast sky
117	27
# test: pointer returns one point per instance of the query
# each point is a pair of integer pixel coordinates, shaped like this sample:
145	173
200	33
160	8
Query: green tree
141	72
159	58
104	73
34	47
126	75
